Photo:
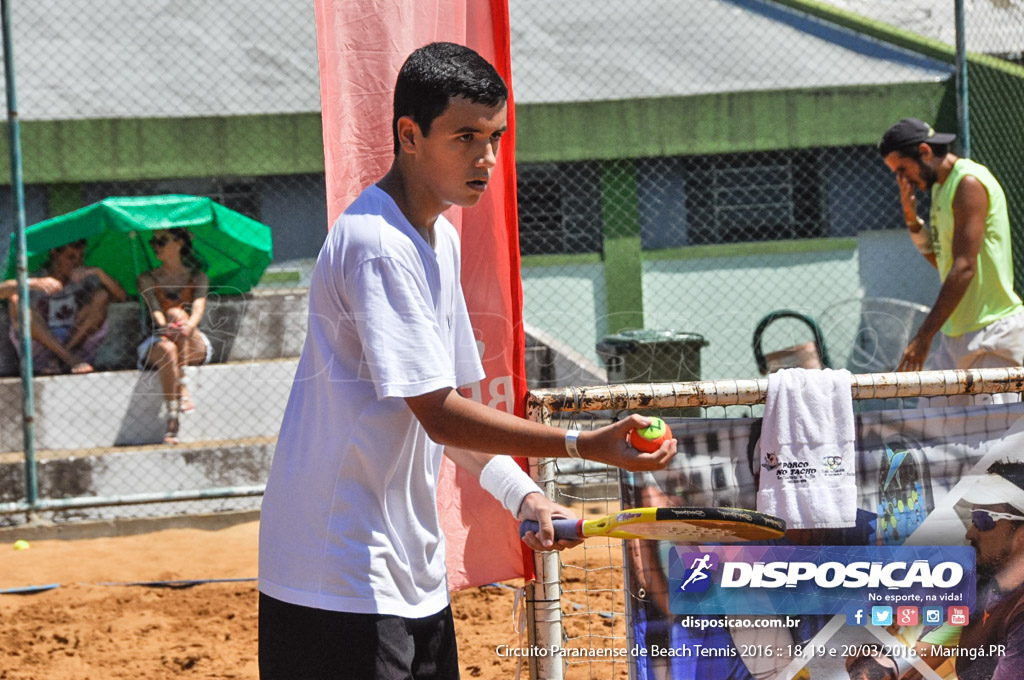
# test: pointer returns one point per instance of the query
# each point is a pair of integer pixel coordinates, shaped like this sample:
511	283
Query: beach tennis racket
678	524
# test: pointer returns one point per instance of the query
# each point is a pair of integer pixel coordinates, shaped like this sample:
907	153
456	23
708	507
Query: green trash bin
645	356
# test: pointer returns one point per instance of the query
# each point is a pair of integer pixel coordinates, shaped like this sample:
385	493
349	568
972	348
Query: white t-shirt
349	519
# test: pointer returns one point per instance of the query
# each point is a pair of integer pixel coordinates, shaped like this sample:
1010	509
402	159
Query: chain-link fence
692	166
203	99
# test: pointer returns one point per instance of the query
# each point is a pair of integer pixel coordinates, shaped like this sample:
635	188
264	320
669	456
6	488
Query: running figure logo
698	574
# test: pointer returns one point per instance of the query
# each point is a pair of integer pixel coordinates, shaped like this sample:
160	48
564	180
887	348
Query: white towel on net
808	459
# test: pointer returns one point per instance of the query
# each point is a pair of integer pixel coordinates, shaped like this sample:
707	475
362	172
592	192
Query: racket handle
565	529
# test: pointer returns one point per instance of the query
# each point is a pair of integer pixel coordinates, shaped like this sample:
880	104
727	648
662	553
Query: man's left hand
537	507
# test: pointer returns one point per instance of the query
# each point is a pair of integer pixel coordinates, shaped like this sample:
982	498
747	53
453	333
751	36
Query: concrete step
140	470
123	408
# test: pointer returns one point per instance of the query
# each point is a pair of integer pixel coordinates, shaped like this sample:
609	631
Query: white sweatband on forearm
571	443
505	480
922	239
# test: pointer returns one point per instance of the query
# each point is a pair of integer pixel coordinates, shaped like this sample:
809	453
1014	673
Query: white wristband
571	446
506	481
922	239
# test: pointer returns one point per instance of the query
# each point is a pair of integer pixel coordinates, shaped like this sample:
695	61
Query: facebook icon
856	617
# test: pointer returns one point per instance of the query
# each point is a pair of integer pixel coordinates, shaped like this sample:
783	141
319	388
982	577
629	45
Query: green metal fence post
24	318
962	110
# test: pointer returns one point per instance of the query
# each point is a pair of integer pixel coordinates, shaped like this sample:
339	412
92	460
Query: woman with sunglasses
175	293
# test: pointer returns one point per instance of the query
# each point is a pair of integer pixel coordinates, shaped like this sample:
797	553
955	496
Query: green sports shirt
990	296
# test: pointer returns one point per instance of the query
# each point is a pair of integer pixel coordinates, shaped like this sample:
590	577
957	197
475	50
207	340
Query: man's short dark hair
438	72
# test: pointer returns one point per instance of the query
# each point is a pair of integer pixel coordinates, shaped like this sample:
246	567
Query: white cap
993	489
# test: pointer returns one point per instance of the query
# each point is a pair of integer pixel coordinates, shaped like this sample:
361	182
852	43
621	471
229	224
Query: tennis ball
649	439
21	544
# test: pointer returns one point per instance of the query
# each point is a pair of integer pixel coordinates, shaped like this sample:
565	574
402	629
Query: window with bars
559	208
712	199
762	196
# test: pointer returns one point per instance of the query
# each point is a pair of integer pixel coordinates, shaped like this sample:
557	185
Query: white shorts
144	348
998	345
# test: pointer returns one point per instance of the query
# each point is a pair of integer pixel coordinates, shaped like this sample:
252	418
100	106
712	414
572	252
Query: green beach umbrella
236	249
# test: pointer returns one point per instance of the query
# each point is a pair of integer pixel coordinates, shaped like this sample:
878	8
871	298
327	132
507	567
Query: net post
544	593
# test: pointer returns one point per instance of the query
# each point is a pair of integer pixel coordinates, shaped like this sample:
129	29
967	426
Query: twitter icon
881	616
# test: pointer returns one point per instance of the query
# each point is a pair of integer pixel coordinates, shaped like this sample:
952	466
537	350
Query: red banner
361	46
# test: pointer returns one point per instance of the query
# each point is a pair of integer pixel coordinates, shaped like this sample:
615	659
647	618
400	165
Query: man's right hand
609	445
915	354
908	199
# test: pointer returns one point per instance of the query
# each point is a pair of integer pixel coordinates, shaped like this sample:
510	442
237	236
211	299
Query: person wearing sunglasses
175	295
985	520
996	533
994	530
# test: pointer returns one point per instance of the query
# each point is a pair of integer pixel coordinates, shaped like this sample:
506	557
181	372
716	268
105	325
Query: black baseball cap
911	131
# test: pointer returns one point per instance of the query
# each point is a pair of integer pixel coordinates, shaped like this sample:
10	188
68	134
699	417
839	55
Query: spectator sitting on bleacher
175	293
69	303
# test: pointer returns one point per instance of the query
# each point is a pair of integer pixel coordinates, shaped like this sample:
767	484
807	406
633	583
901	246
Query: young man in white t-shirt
352	566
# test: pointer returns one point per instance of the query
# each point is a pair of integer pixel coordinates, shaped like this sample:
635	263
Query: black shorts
302	643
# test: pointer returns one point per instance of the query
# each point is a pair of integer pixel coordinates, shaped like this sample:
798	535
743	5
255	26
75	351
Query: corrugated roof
164	58
188	58
609	49
991	26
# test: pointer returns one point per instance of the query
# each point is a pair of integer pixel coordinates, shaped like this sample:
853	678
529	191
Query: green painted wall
149	148
622	257
719	123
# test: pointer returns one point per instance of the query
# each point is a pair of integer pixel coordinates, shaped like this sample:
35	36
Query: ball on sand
649	439
21	544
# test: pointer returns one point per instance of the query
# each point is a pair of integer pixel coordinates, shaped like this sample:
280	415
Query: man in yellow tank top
967	239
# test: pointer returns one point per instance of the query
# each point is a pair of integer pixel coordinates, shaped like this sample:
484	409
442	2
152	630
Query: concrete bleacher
241	394
129	471
266	324
122	408
99	434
